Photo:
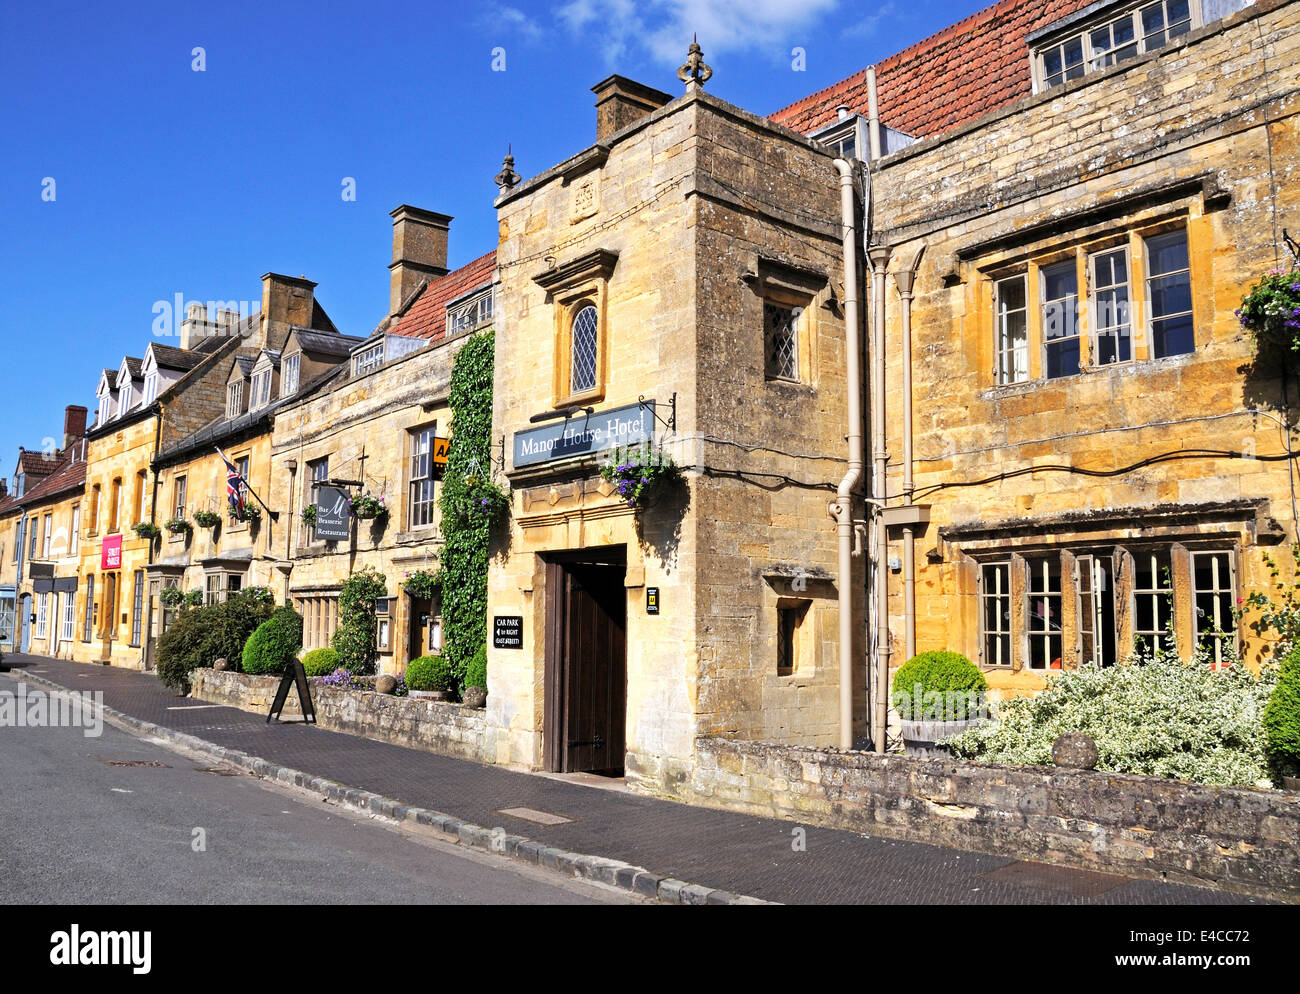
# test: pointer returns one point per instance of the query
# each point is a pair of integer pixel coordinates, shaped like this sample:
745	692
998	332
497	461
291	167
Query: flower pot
429	695
920	738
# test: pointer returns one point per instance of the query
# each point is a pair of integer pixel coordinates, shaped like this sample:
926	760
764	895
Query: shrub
320	662
1282	719
476	672
951	687
201	635
430	673
354	639
1150	715
275	644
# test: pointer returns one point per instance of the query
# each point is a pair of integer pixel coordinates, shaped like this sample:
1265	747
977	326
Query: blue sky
168	180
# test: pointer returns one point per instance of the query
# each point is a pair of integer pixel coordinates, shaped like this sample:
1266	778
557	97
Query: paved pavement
717	849
117	820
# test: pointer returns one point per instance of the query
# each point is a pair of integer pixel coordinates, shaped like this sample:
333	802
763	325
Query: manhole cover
535	816
151	763
1062	879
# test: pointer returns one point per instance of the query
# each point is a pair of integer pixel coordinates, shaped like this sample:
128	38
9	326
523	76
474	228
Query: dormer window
105	408
20	484
289	370
368	359
1082	44
150	388
261	390
471	313
125	405
234	399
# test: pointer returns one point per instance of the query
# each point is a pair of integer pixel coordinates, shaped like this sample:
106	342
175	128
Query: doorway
586	662
25	622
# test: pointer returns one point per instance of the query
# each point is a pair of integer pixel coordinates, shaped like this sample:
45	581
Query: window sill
581	399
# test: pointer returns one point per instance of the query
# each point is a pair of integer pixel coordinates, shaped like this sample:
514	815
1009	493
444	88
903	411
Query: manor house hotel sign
585	433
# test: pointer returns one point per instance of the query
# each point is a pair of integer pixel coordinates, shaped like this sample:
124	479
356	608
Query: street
80	826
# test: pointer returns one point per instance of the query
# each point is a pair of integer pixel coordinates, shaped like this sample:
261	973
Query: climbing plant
467	536
354	639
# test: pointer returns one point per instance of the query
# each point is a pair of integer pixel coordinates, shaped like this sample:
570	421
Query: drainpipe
905	279
873	114
842	507
879	256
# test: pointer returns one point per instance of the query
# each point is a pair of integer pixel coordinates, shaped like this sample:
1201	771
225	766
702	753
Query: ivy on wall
354	638
467	537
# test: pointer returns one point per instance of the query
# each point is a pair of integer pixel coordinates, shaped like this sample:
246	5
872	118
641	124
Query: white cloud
663	28
511	19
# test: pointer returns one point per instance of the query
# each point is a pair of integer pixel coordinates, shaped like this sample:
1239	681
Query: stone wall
437	726
1240	839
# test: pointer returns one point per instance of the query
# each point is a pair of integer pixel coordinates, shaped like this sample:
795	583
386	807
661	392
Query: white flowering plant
1150	715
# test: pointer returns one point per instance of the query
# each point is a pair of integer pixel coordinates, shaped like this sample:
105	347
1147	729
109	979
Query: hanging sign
110	553
333	514
585	433
440	449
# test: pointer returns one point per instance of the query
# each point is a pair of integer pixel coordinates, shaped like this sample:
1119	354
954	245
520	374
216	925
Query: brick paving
740	853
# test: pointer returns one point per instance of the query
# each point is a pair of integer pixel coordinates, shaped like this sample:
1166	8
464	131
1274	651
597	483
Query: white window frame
234	399
368	360
1150	278
42	615
1120	328
1044	302
124	402
1223	581
422	474
290	370
259	393
472	312
67	630
150	388
47	536
1011	362
1097	59
1004	633
74	539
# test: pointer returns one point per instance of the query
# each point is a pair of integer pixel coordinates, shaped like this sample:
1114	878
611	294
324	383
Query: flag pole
249	487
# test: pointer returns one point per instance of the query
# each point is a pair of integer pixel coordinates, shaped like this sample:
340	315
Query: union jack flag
235	484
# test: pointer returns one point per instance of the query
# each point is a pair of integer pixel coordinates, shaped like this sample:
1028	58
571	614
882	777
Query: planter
429	695
920	738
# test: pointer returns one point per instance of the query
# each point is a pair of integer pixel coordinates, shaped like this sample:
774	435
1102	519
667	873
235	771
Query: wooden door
590	681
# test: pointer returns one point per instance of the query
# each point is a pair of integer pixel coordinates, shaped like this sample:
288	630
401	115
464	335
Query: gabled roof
323	343
108	376
132	367
973	67
68	475
426	315
272	357
245	364
170	357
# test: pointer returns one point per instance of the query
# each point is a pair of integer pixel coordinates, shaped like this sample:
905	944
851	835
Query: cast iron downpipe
879	256
905	279
842	507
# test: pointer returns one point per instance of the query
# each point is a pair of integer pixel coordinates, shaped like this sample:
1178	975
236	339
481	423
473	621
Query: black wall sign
651	600
507	631
333	514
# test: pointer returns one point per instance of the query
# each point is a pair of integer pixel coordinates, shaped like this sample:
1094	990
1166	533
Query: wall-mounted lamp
567	413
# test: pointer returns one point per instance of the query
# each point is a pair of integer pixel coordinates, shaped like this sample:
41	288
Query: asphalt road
76	827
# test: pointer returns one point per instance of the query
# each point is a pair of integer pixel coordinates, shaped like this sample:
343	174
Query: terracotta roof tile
426	316
968	69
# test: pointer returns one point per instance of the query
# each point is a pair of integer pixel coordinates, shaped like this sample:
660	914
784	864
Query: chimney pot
74	424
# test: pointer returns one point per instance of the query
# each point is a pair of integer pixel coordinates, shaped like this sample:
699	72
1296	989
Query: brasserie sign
584	434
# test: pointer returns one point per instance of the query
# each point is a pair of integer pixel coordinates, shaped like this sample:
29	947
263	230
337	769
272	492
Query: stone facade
1163	466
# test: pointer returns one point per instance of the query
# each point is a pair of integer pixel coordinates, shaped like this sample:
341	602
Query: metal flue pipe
879	256
906	279
842	507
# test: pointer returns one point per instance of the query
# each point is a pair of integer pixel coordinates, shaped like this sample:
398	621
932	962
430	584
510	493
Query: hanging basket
640	475
368	508
483	500
207	519
1271	311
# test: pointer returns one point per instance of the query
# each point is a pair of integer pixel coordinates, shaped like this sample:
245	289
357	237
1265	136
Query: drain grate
1061	879
152	764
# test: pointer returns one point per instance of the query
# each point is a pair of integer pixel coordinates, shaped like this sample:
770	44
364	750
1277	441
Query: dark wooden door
591	676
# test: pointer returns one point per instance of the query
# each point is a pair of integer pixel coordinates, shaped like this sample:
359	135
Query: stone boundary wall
437	726
1236	838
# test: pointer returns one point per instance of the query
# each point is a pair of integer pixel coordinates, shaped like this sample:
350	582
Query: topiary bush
1150	715
430	673
1282	719
320	662
201	635
476	672
275	643
355	636
951	687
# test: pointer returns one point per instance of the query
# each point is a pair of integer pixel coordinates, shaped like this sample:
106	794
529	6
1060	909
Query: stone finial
507	179
693	72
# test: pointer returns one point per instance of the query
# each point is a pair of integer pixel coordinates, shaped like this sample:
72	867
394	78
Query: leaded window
781	340
583	349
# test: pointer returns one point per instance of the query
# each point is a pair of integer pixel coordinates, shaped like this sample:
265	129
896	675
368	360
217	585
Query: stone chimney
196	325
74	424
286	301
419	251
620	101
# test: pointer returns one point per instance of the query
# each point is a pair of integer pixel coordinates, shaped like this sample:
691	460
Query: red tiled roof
66	477
426	317
975	66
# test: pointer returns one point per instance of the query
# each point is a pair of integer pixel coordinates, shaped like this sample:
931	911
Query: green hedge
476	673
201	635
430	673
275	644
952	687
320	662
1282	719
